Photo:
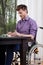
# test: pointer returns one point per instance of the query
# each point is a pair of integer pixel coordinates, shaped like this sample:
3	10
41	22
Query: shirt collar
26	18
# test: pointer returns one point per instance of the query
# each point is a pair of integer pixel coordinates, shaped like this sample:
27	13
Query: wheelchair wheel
35	55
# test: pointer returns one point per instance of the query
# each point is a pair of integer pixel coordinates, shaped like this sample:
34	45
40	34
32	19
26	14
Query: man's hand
9	33
13	34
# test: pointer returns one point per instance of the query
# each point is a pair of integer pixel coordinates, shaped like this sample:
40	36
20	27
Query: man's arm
27	35
20	34
23	35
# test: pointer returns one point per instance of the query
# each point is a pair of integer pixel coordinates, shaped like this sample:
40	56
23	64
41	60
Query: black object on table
17	40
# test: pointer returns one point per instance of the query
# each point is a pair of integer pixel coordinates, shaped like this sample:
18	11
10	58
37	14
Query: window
7	15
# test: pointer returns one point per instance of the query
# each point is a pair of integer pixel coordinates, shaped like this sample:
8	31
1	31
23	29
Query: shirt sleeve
33	28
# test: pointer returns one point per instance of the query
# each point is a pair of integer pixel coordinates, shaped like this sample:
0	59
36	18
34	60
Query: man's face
22	13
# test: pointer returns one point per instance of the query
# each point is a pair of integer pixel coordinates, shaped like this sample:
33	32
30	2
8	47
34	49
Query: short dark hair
22	6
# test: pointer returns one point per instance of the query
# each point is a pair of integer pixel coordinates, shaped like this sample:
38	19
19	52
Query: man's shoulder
32	21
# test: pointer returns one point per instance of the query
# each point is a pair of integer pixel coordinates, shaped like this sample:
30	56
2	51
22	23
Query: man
26	27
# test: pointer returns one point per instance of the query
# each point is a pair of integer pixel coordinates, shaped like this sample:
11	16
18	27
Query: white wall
35	9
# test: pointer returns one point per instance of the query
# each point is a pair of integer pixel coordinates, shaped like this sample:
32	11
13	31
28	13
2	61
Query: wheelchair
34	56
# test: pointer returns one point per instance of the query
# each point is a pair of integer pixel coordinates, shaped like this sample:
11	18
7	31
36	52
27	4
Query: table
17	40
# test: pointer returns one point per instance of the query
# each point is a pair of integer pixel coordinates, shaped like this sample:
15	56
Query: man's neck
25	17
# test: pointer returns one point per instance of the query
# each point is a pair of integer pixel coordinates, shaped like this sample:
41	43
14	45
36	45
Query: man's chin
22	18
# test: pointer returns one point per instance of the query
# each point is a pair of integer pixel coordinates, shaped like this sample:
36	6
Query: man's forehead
20	11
